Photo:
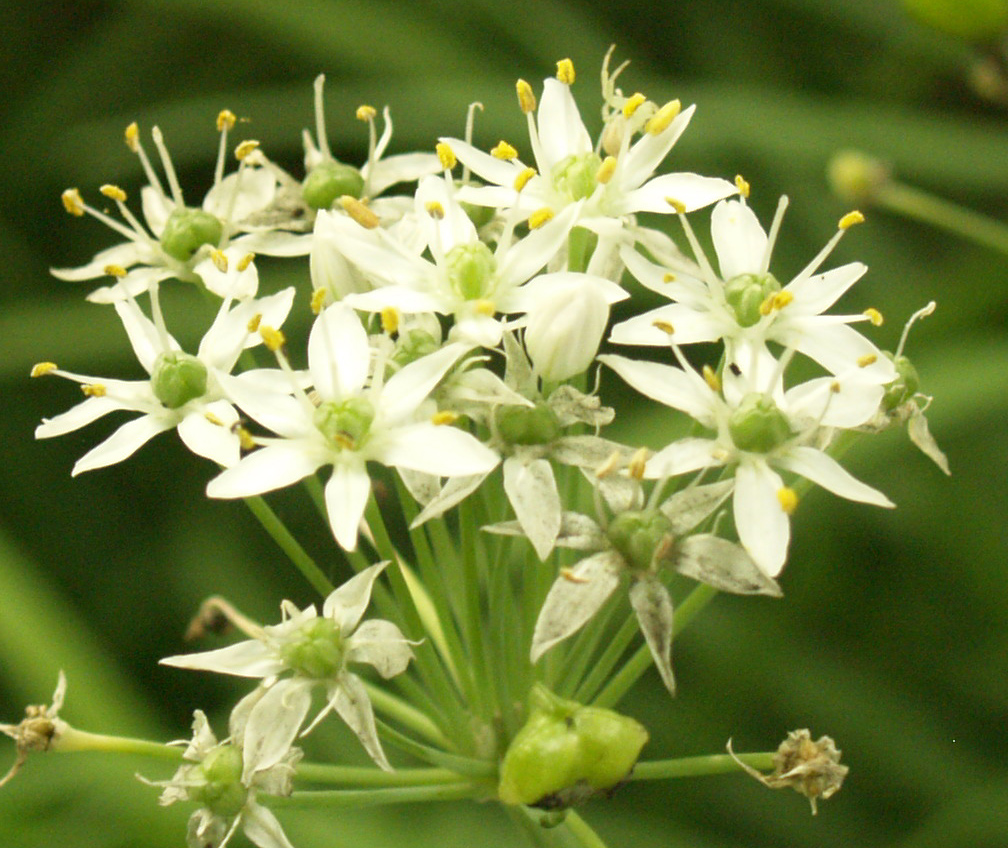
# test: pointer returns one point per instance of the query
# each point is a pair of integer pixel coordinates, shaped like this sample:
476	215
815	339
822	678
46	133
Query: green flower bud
973	20
904	387
187	230
178	378
758	425
575	176
471	269
316	651
637	535
746	295
345	423
220	790
527	425
330	180
566	752
413	345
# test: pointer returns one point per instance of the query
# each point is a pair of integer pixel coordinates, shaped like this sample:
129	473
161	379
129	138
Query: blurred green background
893	634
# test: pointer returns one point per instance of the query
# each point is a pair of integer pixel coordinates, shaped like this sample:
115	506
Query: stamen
220	260
359	212
253	324
788	499
540	217
226	120
435	210
113	192
390	318
606	170
920	313
711	379
569	575
638	462
132	139
669	277
484	307
873	315
850	219
320	130
245	261
446	155
660	120
444	418
40	369
742	185
522	179
614	463
73	202
503	150
866	360
245	439
273	338
664	326
245	149
633	103
775	226
526	97
318	300
115	271
676	205
94	390
365	112
565	71
169	169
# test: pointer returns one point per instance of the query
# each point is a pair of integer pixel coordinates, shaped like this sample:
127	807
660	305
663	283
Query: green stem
72	740
582	831
289	545
361	776
700	766
921	206
405	714
375	797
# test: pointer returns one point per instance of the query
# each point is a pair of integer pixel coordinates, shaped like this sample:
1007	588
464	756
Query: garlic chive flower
307	650
746	306
183	391
174	238
226	778
354	416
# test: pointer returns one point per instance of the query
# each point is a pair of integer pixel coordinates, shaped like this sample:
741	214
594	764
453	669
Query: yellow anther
540	217
484	307
113	192
526	97
568	575
73	202
213	419
446	155
390	320
874	316
43	368
711	378
850	219
664	326
741	185
358	210
444	418
767	306
638	462
365	112
245	440
677	205
245	148
668	277
835	387
244	262
522	179
606	170
115	271
780	300
435	210
273	338
660	120
503	150
94	390
634	102
788	499
613	463
226	119
254	321
318	299
565	71
132	137
866	360
220	260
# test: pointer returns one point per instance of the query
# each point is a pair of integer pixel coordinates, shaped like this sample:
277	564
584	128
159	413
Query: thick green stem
361	776
359	798
580	829
700	766
73	740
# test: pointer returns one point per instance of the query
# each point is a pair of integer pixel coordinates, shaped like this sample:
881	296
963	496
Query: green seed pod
527	425
575	176
345	423
471	269
330	180
638	534
178	378
746	295
187	230
758	425
317	652
973	20
566	752
904	387
218	786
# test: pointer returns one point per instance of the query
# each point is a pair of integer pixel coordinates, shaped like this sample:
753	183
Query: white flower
355	418
176	238
184	390
756	431
226	777
747	307
306	650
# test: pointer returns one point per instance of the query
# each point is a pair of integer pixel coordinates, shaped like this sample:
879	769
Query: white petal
436	449
648	152
653	606
79	416
723	565
828	473
691	190
123	443
816	294
684	455
262	827
576	595
527	256
409	387
240	194
561	131
229	334
263	470
351	701
454	491
346	604
124	255
688	325
839	348
143	335
249	658
339	354
272	725
213	440
380	643
762	525
739	239
401	168
452	227
665	384
531	488
346	497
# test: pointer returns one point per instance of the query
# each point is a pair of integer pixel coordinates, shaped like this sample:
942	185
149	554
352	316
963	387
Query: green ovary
471	270
178	378
575	176
746	295
329	181
758	425
345	423
187	230
316	651
221	790
637	535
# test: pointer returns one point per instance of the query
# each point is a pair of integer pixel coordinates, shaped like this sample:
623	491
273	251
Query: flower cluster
459	299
